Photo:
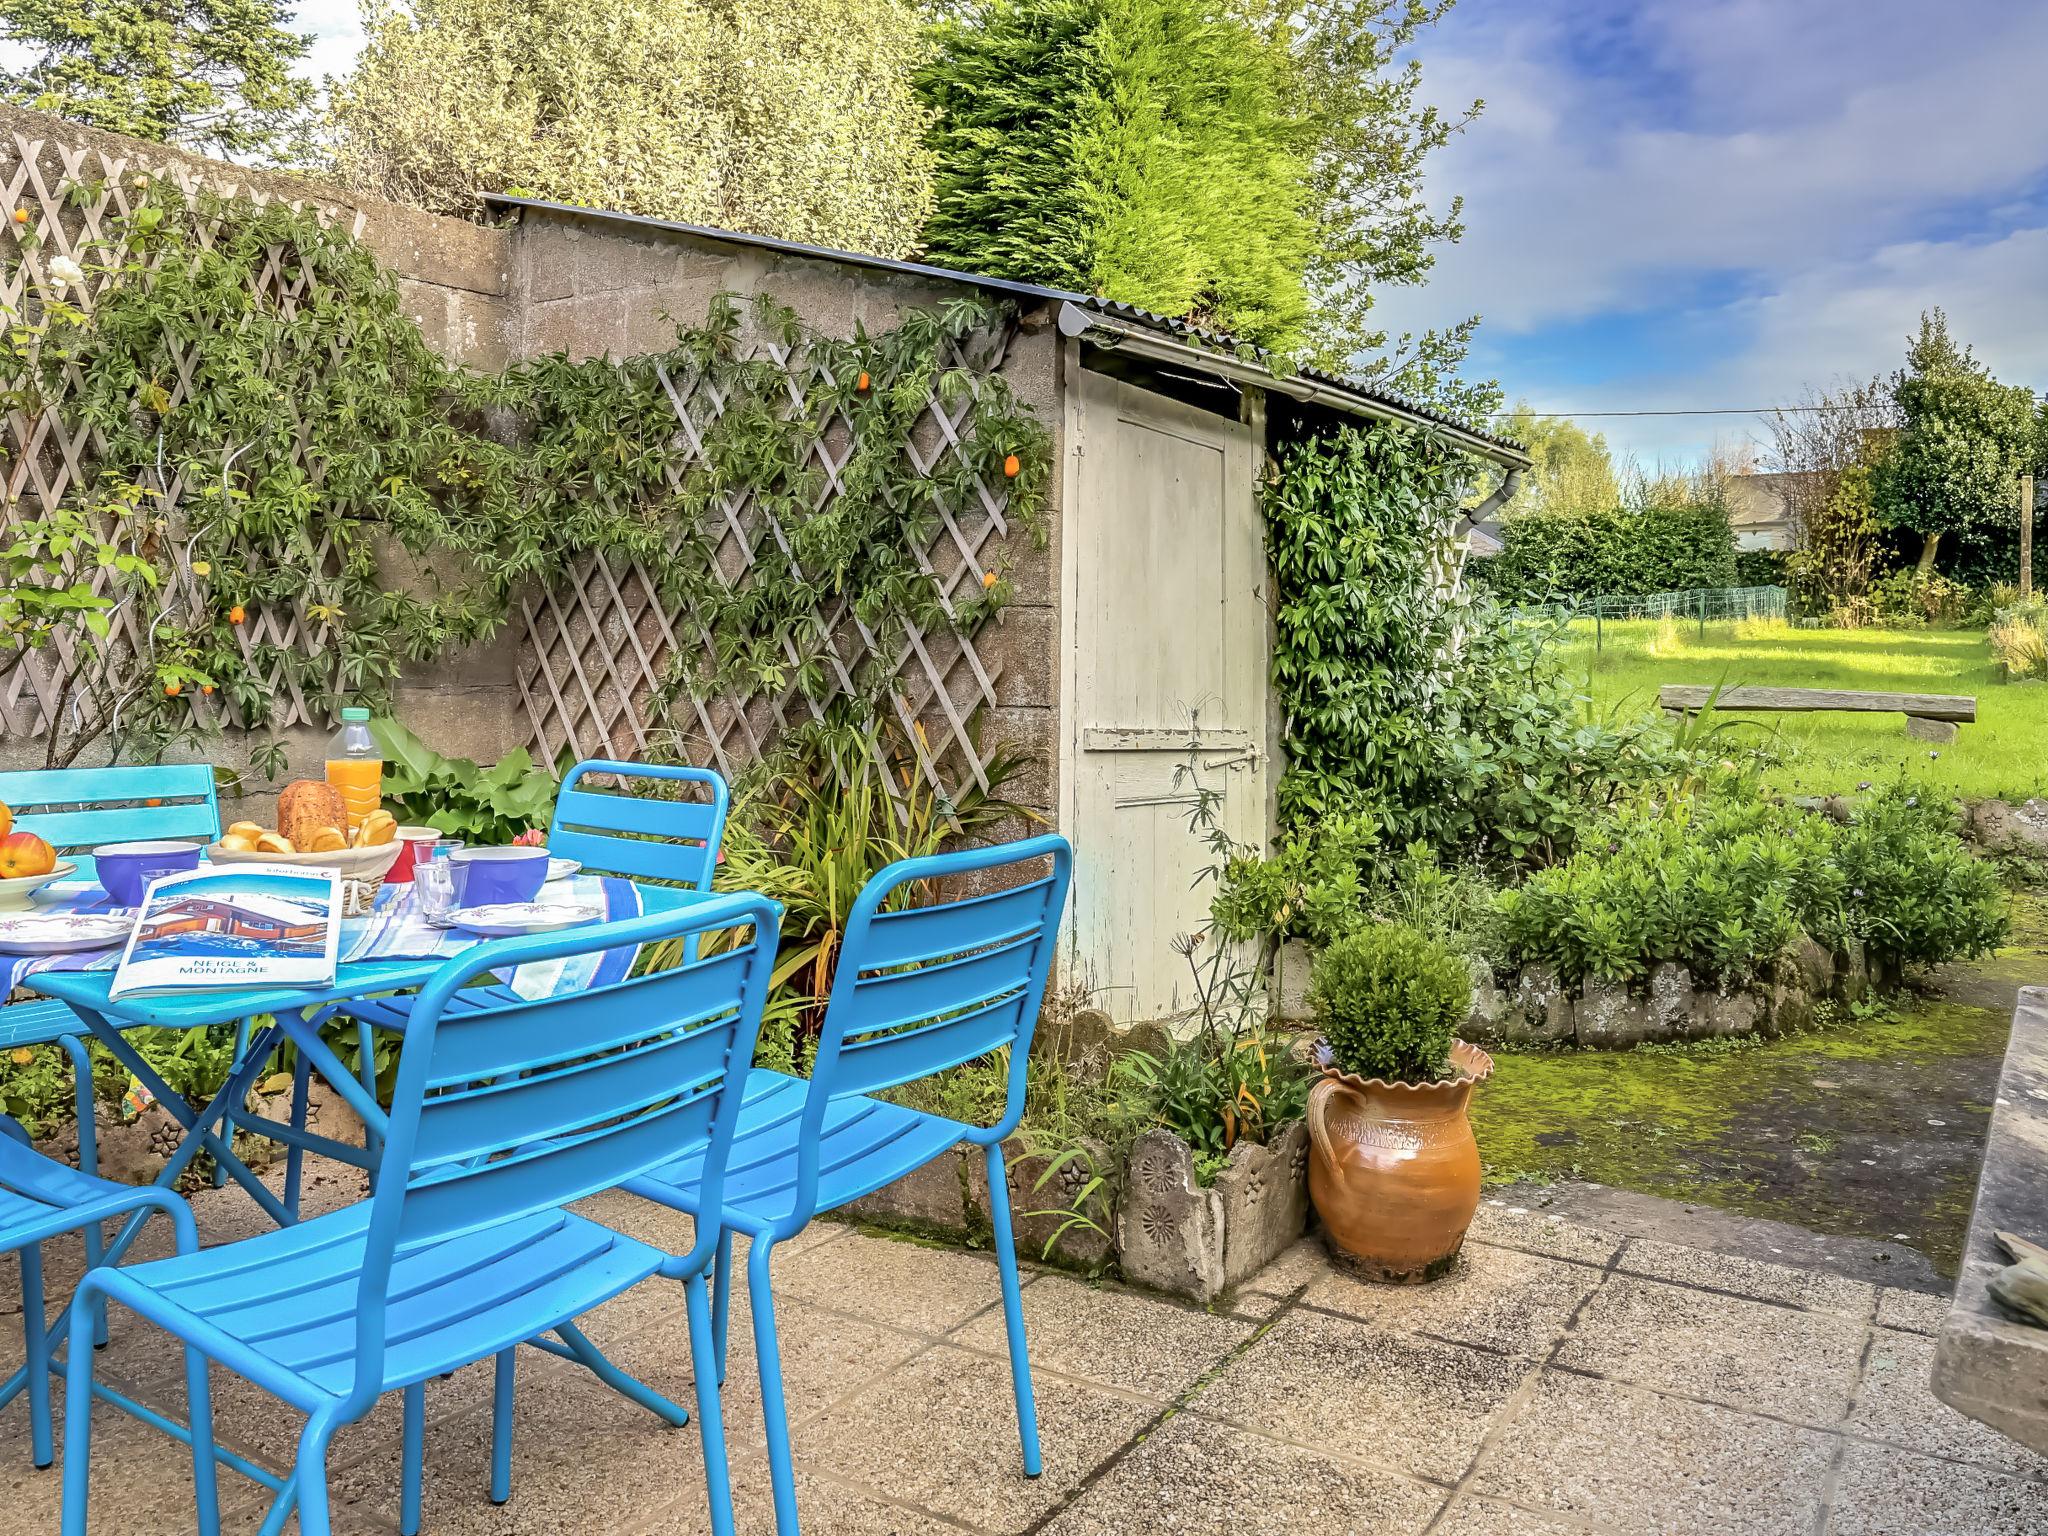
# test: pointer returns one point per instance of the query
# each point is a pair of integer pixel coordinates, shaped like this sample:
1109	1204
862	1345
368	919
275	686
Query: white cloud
1821	170
337	28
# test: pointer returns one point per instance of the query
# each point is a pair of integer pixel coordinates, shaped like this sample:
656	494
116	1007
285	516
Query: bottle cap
355	714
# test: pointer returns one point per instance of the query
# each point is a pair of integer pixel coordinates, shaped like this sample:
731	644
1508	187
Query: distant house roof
1338	393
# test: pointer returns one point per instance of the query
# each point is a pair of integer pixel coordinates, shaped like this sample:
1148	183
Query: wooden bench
1929	716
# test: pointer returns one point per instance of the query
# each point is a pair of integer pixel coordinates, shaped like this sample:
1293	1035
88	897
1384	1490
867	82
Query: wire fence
1702	604
1698	605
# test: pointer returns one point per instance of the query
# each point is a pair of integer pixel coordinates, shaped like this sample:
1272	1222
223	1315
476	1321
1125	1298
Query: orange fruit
171	689
235	614
6	819
23	854
862	382
988	579
21	215
1012	467
206	687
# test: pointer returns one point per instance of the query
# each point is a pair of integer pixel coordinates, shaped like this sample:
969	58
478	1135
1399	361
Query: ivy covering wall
229	394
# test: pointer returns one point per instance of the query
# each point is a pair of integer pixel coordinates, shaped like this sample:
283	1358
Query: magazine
239	925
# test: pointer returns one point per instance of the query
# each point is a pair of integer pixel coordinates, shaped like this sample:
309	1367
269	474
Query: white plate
61	933
506	918
15	894
562	869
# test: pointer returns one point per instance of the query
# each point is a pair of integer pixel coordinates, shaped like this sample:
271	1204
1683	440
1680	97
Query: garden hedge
1621	553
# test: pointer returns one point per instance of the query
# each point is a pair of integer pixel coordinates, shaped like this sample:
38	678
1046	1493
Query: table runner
393	929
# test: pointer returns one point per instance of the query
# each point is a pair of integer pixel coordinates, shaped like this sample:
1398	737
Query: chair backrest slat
507	1112
640	836
920	989
76	809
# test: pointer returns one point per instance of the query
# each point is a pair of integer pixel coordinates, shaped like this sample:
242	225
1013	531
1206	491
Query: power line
1723	410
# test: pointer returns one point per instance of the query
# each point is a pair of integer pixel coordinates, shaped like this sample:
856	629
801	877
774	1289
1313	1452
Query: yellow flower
202	568
21	1055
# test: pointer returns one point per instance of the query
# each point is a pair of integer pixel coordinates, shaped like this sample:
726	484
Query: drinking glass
433	885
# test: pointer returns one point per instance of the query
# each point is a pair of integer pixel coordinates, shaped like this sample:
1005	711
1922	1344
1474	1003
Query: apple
23	854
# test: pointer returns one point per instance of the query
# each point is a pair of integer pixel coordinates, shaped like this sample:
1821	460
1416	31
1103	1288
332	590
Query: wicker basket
362	869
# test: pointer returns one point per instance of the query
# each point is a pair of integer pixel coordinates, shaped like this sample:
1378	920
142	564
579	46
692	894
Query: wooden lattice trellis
598	644
75	198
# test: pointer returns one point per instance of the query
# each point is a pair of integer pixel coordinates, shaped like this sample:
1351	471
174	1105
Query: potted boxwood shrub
1393	1169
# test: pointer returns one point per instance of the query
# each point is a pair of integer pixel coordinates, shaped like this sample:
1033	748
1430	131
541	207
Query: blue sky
1690	203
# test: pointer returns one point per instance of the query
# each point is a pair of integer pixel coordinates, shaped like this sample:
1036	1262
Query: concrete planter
1167	1232
135	1151
1177	1236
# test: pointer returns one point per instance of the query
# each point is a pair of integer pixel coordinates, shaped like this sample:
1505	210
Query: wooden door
1166	691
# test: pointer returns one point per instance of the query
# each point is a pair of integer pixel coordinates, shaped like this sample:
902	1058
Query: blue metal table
290	1010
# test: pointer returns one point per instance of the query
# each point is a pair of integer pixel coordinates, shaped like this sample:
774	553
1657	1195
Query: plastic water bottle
355	766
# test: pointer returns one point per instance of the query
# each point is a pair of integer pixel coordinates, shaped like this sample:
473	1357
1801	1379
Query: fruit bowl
17	894
362	869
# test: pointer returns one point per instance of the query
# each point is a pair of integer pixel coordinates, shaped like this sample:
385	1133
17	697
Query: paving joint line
1150	1427
1525	1390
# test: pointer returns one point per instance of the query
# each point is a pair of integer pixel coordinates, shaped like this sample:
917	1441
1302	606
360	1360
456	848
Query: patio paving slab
1412	1405
1912	1311
941	1433
1497	1298
1502	1223
1894	1404
1744	1354
1884	1492
1195	1477
1812	1290
1115	1338
1481	1406
1641	1461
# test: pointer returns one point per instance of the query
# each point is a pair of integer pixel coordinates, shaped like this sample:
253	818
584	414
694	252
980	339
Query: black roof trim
1384	399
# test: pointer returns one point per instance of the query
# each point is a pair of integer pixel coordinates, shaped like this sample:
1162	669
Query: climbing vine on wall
321	500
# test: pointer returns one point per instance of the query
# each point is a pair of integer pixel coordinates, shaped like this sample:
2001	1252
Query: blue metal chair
40	1199
917	990
675	841
501	1117
74	809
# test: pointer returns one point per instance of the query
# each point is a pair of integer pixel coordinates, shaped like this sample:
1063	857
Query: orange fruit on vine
1012	467
235	614
988	579
863	382
21	215
153	802
171	689
206	687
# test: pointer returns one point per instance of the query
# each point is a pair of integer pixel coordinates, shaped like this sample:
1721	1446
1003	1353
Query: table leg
199	1125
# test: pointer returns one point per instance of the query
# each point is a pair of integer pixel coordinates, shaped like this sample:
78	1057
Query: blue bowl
487	876
125	869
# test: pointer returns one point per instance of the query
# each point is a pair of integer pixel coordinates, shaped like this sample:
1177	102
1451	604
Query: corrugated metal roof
1366	394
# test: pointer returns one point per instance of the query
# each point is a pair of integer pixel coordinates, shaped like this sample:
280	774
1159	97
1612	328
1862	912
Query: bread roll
327	840
236	842
249	829
270	842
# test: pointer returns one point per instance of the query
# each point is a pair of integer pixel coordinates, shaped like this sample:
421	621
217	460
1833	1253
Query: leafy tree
1822	454
1250	164
791	118
1138	149
1962	442
207	75
1574	471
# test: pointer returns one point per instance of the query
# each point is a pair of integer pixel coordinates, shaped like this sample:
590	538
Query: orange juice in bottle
355	766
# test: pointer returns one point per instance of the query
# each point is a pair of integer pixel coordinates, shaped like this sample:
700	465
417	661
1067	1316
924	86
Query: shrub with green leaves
1620	552
1312	888
1913	892
1389	999
1722	888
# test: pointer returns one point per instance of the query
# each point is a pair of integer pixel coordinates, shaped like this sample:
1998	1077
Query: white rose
64	271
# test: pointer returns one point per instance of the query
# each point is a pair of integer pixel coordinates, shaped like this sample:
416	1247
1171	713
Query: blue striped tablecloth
393	930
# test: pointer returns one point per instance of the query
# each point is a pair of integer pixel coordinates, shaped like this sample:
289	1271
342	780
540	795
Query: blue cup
125	869
487	876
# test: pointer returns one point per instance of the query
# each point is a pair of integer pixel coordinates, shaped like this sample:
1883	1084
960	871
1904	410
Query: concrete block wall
486	296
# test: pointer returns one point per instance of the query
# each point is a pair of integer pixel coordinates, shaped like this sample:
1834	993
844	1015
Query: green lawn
2004	754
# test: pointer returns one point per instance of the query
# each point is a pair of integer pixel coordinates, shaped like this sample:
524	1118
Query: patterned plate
61	933
506	918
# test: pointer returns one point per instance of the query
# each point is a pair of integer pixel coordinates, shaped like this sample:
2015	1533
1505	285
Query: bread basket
362	869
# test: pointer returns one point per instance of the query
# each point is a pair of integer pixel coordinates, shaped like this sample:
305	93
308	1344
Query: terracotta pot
1393	1169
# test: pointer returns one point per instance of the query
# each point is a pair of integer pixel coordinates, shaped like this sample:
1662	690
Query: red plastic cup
412	843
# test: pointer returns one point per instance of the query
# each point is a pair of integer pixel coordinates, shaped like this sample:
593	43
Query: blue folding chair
41	1198
76	809
501	1117
640	838
917	990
